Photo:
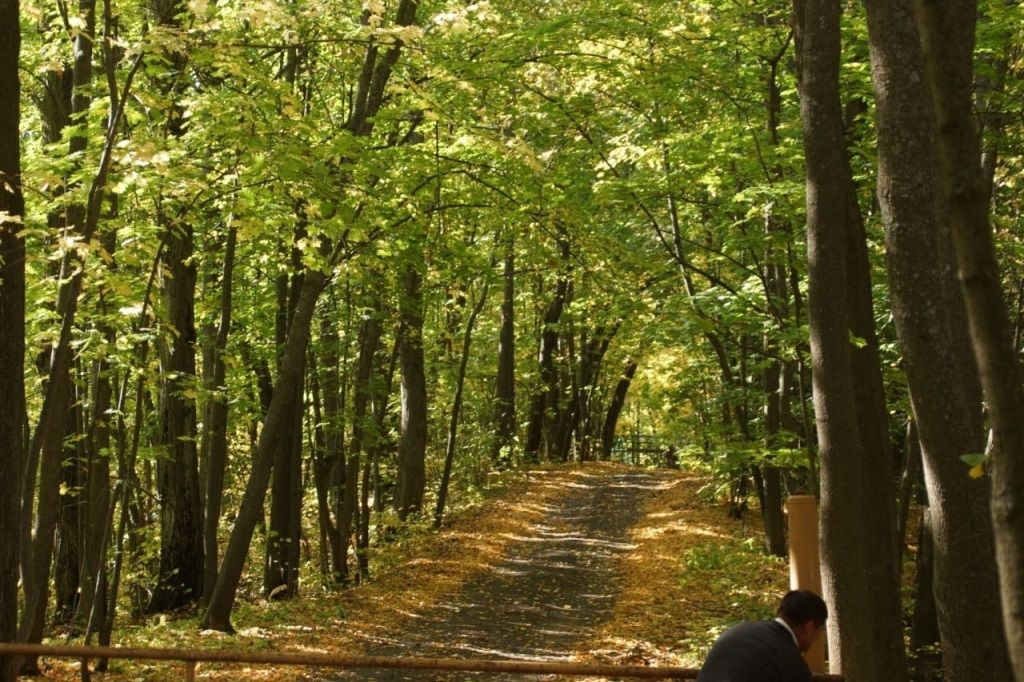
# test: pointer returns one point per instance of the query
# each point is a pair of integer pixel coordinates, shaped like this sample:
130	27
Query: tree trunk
362	424
864	635
908	480
215	423
925	650
275	426
505	386
12	325
929	316
281	564
453	423
771	504
331	457
68	549
947	29
611	419
545	400
180	580
413	441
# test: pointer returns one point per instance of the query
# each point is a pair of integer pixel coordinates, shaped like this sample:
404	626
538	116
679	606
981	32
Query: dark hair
801	606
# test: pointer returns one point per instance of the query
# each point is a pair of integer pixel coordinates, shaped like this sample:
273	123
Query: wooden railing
191	657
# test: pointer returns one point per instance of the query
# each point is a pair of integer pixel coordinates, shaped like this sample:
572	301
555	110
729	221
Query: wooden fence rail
190	657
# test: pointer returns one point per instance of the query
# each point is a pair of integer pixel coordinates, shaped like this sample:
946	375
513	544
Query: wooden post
190	671
804	561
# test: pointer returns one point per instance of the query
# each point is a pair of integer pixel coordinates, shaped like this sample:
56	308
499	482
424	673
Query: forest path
555	584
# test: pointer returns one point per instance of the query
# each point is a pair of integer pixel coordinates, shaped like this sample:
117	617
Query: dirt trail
555	585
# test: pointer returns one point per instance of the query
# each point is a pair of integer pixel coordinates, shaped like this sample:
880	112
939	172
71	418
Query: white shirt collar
789	630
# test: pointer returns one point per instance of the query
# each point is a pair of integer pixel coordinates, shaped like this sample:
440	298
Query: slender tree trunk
12	325
611	419
947	29
281	411
771	508
926	652
453	423
281	565
331	455
908	480
864	635
362	424
545	400
413	441
929	316
68	549
505	387
215	423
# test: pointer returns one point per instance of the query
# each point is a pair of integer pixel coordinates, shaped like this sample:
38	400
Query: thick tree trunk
413	440
12	324
275	426
618	400
930	322
505	386
215	424
180	580
864	635
947	29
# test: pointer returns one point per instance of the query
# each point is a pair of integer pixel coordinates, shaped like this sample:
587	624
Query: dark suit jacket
755	652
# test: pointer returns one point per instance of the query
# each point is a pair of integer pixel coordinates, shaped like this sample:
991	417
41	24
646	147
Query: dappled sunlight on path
555	584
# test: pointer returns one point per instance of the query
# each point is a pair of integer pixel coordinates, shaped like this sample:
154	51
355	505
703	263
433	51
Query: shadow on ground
554	586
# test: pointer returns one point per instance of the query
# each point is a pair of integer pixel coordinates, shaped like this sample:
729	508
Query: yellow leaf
977	471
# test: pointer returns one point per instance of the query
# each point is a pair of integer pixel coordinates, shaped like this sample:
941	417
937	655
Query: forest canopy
310	270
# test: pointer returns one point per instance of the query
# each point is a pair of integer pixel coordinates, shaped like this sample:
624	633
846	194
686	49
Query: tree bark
215	423
947	30
180	579
331	457
618	400
771	504
929	316
12	325
281	564
545	400
362	425
864	635
453	423
413	440
218	613
505	386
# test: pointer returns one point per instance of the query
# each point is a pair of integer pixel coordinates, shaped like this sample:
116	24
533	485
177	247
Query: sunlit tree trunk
930	320
948	31
864	635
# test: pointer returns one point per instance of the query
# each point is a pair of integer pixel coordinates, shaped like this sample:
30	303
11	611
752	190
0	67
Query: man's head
805	613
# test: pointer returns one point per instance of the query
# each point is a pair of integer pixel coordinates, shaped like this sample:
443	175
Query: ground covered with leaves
686	572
